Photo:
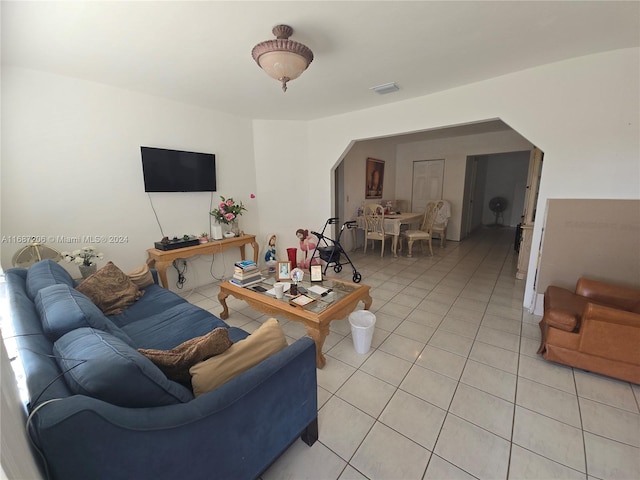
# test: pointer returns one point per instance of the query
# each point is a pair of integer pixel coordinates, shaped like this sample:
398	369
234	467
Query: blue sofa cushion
100	365
155	300
62	309
170	328
45	273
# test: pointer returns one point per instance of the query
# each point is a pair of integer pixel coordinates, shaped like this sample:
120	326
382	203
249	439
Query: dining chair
374	225
425	231
443	212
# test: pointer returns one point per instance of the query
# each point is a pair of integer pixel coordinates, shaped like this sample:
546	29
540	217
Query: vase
87	270
292	255
235	228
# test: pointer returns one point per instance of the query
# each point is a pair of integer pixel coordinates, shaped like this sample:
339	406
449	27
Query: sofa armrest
561	319
601	313
609	294
234	431
611	334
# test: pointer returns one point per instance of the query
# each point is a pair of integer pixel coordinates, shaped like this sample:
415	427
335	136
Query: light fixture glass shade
283	64
282	59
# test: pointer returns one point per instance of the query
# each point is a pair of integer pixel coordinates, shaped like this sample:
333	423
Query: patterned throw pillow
110	289
175	363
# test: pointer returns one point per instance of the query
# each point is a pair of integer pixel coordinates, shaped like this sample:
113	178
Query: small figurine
270	252
306	245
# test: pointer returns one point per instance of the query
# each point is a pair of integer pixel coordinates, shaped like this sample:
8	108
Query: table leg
319	334
394	245
222	298
161	267
256	249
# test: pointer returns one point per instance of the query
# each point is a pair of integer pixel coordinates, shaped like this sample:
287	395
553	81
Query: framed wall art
374	179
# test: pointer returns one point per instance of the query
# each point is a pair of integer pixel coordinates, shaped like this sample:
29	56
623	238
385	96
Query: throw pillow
102	366
110	289
240	357
175	363
141	276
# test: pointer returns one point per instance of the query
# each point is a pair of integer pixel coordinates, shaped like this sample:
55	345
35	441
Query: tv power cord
181	278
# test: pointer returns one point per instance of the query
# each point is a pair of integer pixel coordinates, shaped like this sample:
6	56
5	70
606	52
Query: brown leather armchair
597	328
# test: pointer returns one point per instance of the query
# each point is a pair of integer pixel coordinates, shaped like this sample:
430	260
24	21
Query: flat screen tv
177	171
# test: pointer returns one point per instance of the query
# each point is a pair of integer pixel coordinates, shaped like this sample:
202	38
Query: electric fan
498	205
34	252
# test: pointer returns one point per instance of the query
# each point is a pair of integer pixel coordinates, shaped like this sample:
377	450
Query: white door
428	176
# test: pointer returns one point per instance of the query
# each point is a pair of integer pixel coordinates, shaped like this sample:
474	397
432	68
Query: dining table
392	222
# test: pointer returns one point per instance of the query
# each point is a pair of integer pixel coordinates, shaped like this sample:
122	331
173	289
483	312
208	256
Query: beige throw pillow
175	363
110	289
141	276
240	357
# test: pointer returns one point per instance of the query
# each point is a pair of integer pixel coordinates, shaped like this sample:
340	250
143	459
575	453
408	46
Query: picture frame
283	271
316	273
301	300
374	178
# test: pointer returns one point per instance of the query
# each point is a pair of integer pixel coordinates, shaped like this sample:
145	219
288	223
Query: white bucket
362	323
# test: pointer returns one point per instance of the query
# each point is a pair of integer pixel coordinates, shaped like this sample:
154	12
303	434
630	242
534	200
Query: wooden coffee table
317	316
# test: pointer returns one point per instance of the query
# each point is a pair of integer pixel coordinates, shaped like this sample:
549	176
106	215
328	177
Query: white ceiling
199	52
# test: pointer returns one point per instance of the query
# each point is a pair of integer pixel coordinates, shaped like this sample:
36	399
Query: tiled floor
452	387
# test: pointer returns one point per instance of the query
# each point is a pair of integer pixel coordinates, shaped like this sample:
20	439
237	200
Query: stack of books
246	273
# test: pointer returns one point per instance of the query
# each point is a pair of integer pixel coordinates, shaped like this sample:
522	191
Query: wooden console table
162	259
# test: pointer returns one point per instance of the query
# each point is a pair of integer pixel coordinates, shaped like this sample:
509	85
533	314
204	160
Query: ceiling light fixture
385	88
282	59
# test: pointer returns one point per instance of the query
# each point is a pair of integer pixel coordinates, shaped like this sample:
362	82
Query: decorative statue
307	244
270	252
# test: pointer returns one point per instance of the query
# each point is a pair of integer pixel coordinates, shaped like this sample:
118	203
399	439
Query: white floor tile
430	386
385	454
608	459
306	463
342	427
545	436
477	395
484	410
367	393
441	361
489	379
610	422
402	347
414	418
451	342
526	465
440	469
548	401
606	390
497	357
473	449
386	367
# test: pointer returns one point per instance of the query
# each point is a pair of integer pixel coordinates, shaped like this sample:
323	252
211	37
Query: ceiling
199	52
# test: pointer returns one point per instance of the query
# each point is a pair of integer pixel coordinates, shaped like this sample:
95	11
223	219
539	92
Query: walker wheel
356	277
337	268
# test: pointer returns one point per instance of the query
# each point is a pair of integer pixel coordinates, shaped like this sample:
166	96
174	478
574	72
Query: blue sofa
153	428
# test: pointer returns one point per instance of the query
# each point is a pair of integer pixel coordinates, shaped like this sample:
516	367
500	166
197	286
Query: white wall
583	113
455	152
71	167
506	177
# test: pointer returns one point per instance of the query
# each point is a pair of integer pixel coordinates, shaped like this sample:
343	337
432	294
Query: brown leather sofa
597	328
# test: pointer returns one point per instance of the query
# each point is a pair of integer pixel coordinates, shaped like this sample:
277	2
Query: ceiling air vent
385	88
